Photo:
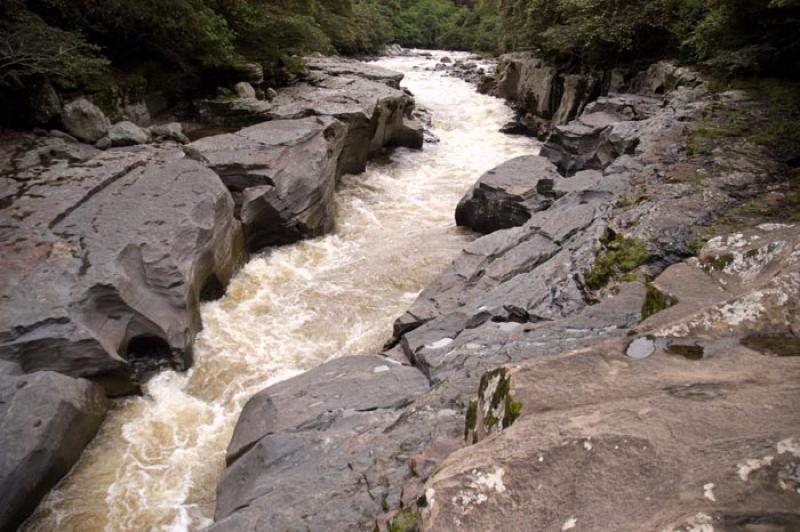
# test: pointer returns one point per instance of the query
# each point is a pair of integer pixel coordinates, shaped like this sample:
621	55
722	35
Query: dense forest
71	42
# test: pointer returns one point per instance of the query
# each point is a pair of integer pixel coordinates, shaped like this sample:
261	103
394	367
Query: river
157	459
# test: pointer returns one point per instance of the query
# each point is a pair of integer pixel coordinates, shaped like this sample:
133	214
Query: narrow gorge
425	290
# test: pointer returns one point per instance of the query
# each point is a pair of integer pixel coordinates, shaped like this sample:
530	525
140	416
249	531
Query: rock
581	144
333	419
445	60
244	90
103	144
45	103
282	175
127	134
252	73
540	89
84	120
108	293
61	135
711	439
271	93
365	97
508	195
46	419
170	131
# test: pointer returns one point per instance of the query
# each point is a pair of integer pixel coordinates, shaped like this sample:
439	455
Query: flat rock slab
282	175
106	261
46	419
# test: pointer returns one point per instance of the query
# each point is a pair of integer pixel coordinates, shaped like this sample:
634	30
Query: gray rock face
46	420
689	425
45	103
104	292
282	175
540	89
507	196
127	134
84	120
366	98
335	417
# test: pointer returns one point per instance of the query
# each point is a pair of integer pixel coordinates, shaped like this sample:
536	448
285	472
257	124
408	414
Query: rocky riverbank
617	353
109	249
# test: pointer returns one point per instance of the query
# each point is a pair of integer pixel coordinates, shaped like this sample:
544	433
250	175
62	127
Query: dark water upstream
157	459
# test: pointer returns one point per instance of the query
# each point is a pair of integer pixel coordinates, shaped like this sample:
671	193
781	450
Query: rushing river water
157	459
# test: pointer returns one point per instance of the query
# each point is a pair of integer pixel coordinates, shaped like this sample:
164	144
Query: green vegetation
405	521
619	257
655	301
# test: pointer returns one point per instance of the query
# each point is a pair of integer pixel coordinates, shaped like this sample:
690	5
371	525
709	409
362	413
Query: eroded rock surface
367	98
46	419
95	290
701	431
282	175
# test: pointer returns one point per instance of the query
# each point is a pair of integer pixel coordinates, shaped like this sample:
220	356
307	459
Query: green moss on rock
619	256
655	301
405	521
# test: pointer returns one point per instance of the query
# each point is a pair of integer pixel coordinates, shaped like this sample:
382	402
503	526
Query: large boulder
302	453
46	419
282	175
508	195
127	134
84	120
106	260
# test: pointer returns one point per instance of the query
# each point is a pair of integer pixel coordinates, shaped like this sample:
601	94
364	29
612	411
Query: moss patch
620	256
655	301
405	521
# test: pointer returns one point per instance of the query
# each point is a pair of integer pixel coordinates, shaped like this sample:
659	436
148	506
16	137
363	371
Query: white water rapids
157	459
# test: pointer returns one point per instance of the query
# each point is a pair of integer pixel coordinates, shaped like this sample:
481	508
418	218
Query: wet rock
282	175
84	120
106	293
508	195
127	134
46	419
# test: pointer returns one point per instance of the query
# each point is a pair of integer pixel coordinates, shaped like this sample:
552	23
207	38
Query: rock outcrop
365	97
46	419
543	90
579	352
282	175
700	428
508	195
99	291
